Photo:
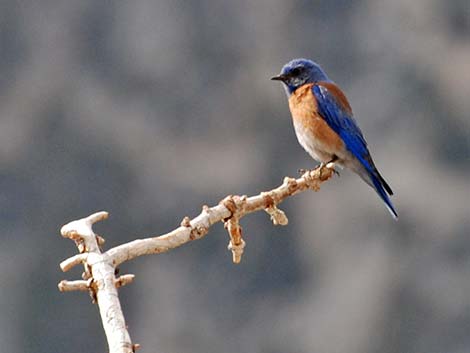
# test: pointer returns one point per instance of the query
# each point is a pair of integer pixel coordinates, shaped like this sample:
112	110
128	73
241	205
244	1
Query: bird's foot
329	165
322	165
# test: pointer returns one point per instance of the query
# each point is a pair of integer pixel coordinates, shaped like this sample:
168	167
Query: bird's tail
384	190
372	177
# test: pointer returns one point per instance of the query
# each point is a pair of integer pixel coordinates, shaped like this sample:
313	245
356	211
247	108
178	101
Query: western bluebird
324	124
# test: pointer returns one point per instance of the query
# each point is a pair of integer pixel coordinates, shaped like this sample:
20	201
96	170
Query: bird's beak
279	78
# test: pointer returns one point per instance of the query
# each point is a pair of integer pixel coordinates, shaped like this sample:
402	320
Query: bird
325	126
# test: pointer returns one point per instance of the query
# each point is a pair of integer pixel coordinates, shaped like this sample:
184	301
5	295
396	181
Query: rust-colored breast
304	109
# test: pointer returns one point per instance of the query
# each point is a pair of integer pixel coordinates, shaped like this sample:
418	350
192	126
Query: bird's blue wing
335	110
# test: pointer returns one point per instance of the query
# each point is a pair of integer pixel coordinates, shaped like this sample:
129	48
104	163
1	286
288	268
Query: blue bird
324	124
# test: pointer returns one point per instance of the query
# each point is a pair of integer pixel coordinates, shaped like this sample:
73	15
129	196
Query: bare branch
241	206
99	276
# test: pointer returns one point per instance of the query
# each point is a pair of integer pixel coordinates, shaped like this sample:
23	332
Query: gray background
150	109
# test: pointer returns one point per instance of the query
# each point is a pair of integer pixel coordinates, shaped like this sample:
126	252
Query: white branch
99	276
225	210
102	282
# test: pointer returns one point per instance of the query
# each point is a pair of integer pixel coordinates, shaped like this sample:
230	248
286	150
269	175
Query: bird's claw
330	166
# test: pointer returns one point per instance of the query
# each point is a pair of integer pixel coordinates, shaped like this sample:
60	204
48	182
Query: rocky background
151	108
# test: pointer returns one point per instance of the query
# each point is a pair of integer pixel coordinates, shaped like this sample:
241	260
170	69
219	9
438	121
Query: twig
100	267
68	286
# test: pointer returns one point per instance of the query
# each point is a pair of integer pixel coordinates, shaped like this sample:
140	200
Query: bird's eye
295	71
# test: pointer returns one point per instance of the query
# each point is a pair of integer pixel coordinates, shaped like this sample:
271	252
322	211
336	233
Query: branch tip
278	217
96	217
68	286
186	222
123	280
237	250
73	261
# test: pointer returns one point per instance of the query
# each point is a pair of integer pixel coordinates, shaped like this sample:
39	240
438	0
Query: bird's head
299	72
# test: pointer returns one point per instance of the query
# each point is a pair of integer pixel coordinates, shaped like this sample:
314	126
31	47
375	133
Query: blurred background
150	109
